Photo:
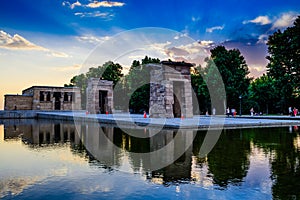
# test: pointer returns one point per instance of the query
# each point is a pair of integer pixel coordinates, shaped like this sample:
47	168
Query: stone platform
197	122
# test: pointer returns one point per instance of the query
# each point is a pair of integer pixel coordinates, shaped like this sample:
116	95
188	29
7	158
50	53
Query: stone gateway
170	90
99	96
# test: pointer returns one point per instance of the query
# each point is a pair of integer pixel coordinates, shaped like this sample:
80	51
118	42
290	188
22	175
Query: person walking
214	111
206	113
290	111
227	111
251	111
295	111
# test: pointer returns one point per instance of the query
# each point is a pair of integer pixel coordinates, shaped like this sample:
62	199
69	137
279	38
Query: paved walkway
197	122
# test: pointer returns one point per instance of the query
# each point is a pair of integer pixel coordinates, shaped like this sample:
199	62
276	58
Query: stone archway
170	90
99	96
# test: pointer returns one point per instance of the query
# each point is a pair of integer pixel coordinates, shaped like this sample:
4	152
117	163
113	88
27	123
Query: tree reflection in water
226	165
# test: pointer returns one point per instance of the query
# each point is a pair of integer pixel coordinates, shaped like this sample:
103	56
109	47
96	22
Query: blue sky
46	42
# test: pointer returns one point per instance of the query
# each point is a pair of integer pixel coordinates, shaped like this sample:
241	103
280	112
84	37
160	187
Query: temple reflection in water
232	161
108	144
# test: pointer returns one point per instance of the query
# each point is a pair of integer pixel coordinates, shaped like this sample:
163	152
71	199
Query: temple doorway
103	106
178	98
57	96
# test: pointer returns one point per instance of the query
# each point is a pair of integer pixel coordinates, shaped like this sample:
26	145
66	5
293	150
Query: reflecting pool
58	160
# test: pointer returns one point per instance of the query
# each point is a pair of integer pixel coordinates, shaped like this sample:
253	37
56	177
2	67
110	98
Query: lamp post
240	97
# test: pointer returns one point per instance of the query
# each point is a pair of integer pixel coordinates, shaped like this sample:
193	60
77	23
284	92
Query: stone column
61	101
53	103
169	99
188	101
45	95
157	92
69	96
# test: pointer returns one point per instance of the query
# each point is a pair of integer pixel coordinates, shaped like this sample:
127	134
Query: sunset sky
46	42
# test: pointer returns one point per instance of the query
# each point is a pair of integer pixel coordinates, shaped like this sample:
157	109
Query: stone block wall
17	102
45	98
50	100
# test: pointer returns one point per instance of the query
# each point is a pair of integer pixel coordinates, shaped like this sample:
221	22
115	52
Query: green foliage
234	71
137	84
284	64
109	71
262	94
200	89
223	66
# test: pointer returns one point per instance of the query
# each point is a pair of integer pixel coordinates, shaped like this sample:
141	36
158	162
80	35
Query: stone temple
170	90
170	94
44	98
99	96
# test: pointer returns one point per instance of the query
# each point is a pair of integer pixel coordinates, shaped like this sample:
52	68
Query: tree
262	94
200	89
233	70
284	64
109	71
137	84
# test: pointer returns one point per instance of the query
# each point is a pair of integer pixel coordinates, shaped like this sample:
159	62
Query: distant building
44	98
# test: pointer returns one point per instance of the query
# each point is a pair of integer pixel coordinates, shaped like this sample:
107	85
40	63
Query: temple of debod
170	94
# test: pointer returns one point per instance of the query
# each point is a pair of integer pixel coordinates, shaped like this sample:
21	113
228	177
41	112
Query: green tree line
271	93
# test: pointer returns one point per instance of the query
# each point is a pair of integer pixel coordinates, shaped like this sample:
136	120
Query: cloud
159	46
77	3
92	39
192	52
73	5
58	54
206	43
180	35
94	4
97	4
257	70
262	20
18	42
195	19
136	57
262	39
285	20
99	14
210	30
67	68
66	3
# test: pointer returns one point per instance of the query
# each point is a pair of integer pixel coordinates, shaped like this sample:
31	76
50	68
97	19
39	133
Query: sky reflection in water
41	160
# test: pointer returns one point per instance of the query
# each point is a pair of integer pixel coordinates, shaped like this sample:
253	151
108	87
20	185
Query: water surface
56	160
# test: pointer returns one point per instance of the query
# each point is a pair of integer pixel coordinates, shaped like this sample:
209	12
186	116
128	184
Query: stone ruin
170	90
99	96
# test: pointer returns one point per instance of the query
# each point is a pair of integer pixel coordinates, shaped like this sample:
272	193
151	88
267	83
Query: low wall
18	114
17	102
29	114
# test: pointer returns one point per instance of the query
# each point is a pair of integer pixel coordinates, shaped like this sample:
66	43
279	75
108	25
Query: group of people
293	112
231	112
213	112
